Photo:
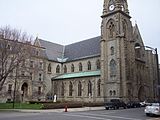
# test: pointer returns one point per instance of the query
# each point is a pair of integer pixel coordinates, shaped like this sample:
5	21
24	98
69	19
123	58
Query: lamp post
157	67
157	63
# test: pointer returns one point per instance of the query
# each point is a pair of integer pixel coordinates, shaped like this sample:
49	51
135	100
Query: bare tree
14	49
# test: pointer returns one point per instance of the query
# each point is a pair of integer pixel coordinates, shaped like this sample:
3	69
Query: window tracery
112	68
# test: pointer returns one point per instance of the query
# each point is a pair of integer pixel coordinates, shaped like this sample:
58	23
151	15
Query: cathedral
115	64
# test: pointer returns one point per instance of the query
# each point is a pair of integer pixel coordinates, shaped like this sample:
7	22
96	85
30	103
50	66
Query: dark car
115	104
133	104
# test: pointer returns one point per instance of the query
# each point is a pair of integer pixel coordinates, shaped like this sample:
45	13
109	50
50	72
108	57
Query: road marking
124	118
107	113
97	118
154	119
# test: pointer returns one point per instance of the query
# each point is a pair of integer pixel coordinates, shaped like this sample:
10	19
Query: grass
20	106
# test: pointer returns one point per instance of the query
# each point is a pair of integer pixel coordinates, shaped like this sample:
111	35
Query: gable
53	50
137	36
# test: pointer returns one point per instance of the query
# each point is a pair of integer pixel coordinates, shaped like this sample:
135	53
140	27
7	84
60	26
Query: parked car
115	104
152	109
133	104
145	103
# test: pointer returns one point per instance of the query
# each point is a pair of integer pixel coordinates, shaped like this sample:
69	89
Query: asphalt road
122	114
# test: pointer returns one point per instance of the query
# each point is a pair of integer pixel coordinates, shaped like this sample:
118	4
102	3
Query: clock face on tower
111	7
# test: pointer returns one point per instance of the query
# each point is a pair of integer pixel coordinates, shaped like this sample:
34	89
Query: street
122	114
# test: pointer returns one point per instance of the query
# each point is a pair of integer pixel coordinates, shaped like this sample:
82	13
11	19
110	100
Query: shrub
61	105
70	104
95	104
39	102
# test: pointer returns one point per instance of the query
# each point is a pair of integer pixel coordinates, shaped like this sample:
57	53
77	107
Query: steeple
116	34
115	5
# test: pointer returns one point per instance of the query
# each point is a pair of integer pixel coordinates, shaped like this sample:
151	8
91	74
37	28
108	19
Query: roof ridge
51	42
82	41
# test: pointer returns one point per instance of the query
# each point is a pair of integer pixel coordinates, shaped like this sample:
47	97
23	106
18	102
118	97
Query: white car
152	109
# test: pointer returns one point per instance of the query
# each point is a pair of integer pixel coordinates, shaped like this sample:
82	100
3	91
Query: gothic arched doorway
24	90
142	94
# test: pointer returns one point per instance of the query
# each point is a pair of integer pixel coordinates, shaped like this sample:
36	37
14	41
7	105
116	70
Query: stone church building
115	64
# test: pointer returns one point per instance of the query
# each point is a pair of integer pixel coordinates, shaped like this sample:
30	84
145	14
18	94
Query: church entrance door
24	91
141	94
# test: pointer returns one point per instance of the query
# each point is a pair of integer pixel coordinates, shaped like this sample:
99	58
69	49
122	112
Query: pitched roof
75	51
77	75
53	50
83	49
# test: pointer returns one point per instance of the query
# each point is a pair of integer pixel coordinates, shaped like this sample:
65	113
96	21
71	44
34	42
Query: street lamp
157	62
157	66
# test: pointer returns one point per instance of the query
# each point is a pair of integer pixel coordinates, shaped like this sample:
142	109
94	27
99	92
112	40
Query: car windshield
155	104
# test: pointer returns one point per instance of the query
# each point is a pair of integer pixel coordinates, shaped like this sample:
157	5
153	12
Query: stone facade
27	81
123	56
113	65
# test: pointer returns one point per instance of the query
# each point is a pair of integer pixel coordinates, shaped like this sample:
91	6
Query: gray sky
69	21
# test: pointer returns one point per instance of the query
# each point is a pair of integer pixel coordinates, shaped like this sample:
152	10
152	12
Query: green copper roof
77	75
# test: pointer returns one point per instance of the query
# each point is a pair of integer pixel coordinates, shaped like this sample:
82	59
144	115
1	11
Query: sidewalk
60	110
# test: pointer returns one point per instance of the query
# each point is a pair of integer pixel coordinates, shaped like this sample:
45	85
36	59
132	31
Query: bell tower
116	49
115	5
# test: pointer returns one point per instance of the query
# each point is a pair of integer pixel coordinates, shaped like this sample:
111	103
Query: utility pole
157	63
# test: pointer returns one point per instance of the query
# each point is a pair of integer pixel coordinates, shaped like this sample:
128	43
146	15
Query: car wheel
107	108
147	114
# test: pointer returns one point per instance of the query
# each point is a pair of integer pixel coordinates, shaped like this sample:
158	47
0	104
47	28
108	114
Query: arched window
124	24
110	92
98	64
58	69
49	67
80	67
89	88
62	89
112	50
55	87
111	29
138	50
72	68
79	89
99	88
70	89
8	47
89	65
112	68
114	92
65	69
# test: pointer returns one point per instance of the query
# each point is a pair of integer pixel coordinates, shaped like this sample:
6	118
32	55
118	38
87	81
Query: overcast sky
69	21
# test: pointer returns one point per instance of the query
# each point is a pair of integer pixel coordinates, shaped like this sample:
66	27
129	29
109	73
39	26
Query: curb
59	110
